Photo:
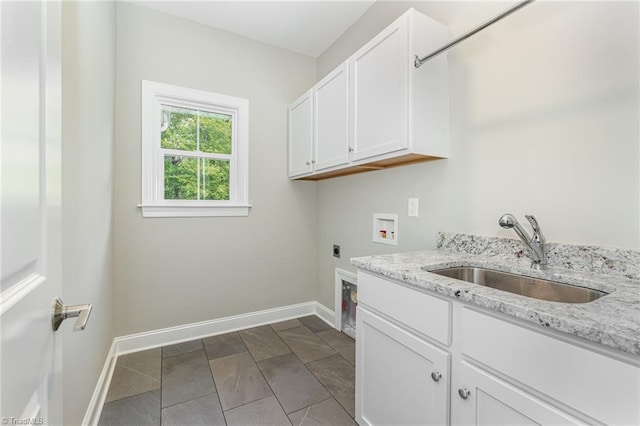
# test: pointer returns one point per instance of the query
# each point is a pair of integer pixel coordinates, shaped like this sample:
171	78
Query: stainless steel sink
525	286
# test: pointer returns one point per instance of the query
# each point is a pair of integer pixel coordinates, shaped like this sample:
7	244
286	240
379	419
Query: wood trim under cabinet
403	160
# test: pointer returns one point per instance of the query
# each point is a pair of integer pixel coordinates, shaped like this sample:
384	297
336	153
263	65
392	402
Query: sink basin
524	286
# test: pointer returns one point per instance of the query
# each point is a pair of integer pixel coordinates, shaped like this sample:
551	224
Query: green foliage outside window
192	178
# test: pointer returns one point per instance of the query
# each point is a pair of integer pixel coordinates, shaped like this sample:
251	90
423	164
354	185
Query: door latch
61	312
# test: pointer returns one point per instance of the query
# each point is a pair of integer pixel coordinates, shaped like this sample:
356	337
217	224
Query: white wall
543	120
182	270
88	100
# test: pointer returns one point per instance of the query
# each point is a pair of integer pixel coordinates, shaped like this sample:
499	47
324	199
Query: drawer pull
464	393
436	376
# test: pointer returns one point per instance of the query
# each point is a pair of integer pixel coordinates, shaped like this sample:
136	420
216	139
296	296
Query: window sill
194	211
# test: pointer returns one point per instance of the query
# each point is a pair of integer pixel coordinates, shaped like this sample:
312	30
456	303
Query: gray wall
182	270
543	120
88	100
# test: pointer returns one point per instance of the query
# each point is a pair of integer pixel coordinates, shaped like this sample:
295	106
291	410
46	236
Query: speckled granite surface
598	260
612	320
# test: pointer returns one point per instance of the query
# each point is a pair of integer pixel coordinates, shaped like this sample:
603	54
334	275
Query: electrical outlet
413	207
336	251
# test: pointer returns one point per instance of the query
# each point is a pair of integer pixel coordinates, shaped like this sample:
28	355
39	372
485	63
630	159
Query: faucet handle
534	223
537	233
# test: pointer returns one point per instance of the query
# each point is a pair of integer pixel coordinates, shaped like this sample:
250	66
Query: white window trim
154	95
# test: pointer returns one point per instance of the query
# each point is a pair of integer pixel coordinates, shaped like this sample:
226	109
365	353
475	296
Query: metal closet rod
419	61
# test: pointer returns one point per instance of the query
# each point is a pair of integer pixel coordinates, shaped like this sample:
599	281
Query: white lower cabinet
400	379
598	387
485	400
493	370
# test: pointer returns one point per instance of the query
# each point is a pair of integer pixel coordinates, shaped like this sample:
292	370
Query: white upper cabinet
319	126
377	110
331	119
380	93
301	135
400	112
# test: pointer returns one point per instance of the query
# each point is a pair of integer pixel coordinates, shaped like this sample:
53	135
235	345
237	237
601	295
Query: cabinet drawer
603	388
425	314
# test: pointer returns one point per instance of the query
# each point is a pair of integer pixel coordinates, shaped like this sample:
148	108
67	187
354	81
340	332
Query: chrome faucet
536	243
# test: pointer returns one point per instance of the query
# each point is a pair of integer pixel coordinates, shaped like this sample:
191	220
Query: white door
380	93
483	399
400	379
301	135
30	267
331	112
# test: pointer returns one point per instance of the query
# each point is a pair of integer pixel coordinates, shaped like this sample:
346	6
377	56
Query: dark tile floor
298	372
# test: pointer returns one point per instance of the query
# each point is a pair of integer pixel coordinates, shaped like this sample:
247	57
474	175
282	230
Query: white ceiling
307	27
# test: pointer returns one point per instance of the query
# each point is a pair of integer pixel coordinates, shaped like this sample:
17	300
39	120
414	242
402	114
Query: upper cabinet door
331	100
380	93
301	135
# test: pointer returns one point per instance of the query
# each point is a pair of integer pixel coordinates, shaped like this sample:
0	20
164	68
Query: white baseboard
184	333
92	415
326	314
168	336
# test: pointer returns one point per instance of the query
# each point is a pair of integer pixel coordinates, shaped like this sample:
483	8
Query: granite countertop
612	320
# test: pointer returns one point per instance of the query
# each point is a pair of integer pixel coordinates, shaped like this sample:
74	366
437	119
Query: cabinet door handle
308	163
350	149
436	376
464	393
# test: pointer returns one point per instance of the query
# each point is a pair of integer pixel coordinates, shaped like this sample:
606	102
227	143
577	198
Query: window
194	152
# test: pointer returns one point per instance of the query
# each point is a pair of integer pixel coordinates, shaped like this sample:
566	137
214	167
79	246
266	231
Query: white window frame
154	96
